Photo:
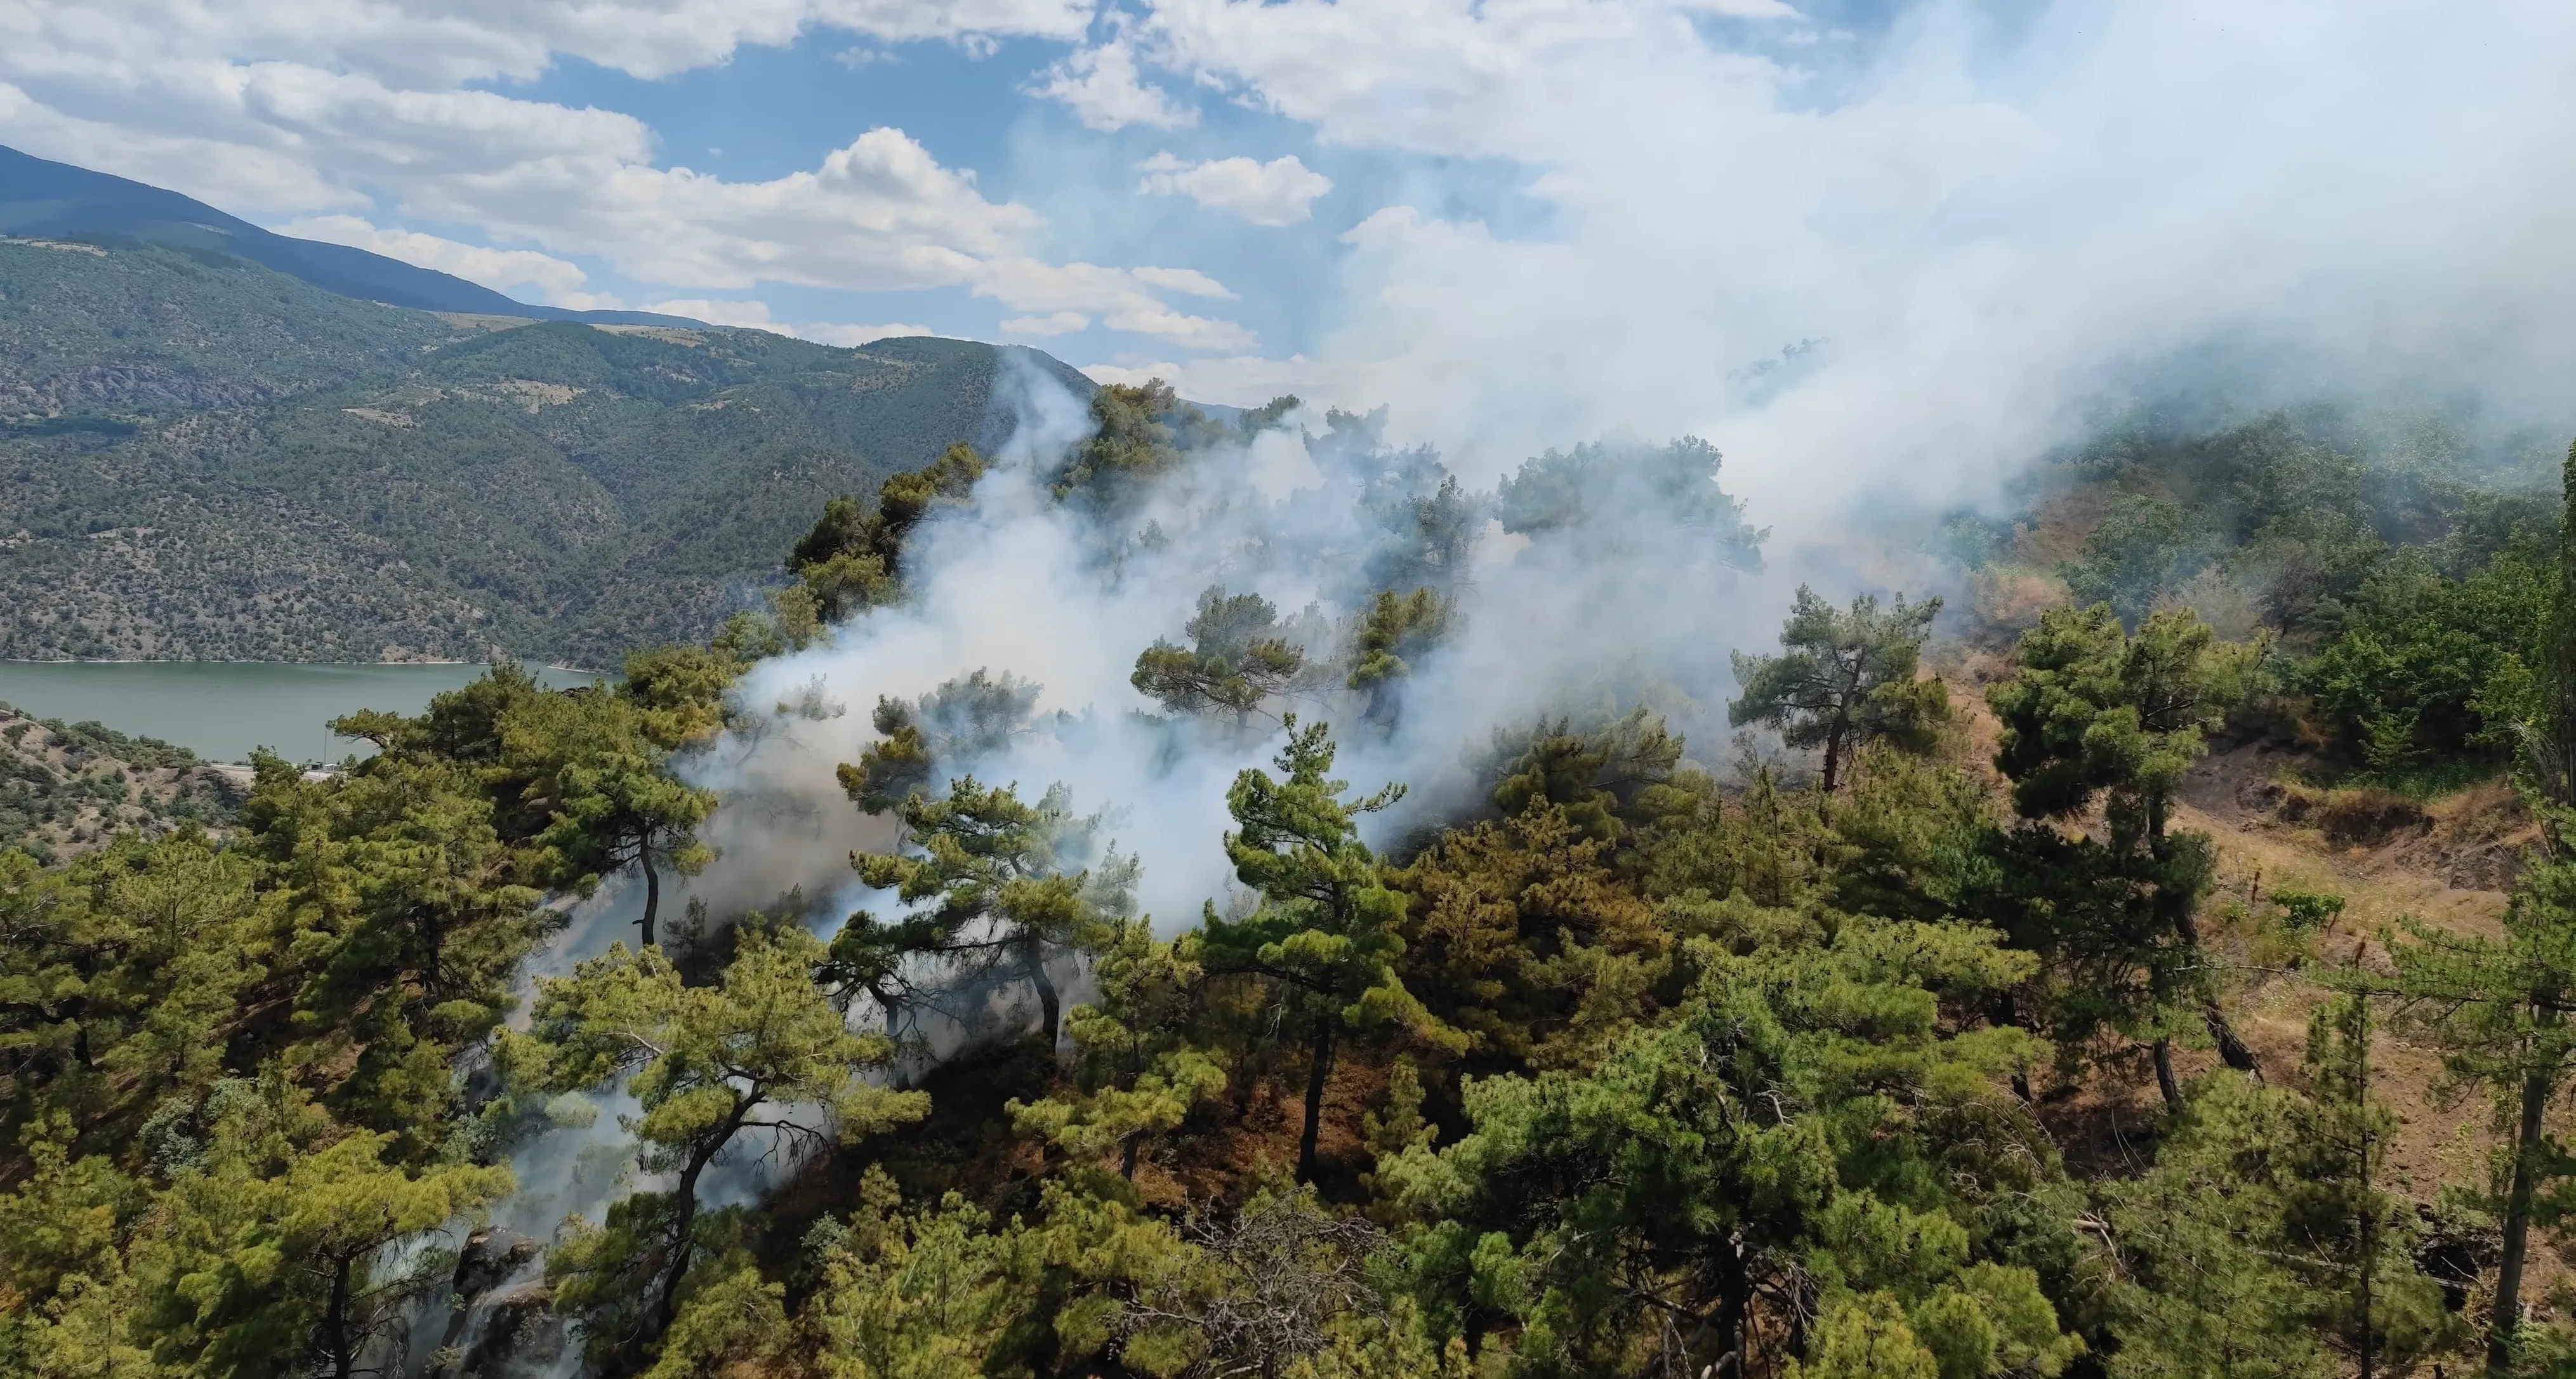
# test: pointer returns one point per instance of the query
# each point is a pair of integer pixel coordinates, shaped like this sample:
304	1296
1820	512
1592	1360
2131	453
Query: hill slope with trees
209	460
2110	1012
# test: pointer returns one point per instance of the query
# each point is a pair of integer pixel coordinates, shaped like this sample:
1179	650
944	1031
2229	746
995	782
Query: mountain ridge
208	459
43	199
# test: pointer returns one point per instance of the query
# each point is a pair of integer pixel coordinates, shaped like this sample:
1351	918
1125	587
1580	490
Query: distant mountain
201	458
47	200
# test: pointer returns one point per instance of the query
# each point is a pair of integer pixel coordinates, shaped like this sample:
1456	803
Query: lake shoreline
224	711
151	661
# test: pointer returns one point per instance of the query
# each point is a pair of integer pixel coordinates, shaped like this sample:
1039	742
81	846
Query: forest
2027	973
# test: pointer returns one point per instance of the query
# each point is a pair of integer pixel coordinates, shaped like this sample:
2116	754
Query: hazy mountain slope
228	464
87	332
44	199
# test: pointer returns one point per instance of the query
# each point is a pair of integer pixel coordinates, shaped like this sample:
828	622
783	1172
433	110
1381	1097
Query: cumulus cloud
344	115
412	43
1125	298
1279	192
1189	280
1101	86
1054	323
548	278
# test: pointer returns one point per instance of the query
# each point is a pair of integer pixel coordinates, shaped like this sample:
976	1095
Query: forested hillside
71	787
208	460
2152	963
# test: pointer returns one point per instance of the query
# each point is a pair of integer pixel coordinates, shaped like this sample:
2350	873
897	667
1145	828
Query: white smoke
1022	583
1982	214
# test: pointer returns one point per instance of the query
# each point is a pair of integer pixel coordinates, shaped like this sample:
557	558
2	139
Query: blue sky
769	112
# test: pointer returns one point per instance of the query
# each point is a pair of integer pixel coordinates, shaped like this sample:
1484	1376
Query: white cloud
1101	86
1057	323
417	43
349	113
503	270
1183	329
1744	9
1279	192
1189	280
1125	298
755	315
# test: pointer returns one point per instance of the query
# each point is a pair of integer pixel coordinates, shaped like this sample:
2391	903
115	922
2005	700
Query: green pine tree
1327	934
1844	679
705	1064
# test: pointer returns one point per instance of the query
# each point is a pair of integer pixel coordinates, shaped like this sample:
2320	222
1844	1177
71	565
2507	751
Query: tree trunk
2166	1082
1317	1071
335	1324
434	939
2369	1263
2369	1207
1127	1155
2517	1230
1250	1077
1734	1309
652	891
2230	1048
1833	757
668	1306
1050	1005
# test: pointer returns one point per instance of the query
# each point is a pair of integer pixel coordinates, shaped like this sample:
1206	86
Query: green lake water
222	709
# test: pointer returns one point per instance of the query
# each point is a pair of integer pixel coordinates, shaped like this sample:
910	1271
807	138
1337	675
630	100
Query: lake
222	709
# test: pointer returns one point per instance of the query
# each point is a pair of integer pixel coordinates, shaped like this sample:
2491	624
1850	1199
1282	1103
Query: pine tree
2092	712
1397	631
1140	432
943	734
1519	934
1328	932
1236	659
704	1064
611	799
1844	679
912	1295
853	558
273	1245
2340	1216
1138	1070
1776	1139
997	881
680	691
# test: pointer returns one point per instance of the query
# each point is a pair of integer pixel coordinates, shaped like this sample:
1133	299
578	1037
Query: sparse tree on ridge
1844	679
